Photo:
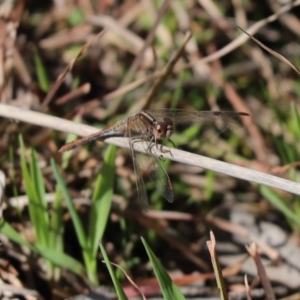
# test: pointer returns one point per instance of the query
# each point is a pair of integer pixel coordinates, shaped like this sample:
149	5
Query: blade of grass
37	206
113	276
13	173
168	287
14	236
274	199
38	181
277	55
287	153
89	260
58	258
101	200
56	229
209	186
266	284
74	215
296	119
56	222
216	265
37	178
101	203
41	73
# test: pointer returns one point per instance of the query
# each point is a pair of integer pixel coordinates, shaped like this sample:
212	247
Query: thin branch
279	56
68	68
167	71
174	154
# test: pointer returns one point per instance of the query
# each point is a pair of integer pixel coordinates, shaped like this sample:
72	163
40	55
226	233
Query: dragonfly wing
150	166
162	180
221	120
140	184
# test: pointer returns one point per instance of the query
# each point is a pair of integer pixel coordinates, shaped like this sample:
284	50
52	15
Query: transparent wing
140	184
221	120
149	167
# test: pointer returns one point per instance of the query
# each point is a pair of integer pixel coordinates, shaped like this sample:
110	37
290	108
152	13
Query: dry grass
96	62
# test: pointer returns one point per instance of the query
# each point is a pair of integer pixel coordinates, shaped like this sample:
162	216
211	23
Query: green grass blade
89	260
54	256
209	186
296	119
57	229
117	285
13	173
61	259
56	225
38	181
37	209
101	200
14	236
274	199
75	218
37	178
168	288
41	73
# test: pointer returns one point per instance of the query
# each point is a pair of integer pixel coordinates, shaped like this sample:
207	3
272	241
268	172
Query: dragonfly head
163	129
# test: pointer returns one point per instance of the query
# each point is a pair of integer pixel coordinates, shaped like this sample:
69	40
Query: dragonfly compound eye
169	128
160	130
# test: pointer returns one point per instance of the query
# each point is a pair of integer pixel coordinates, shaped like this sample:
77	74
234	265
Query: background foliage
56	208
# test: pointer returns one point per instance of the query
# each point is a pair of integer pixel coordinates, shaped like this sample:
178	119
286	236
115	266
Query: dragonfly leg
142	138
172	143
162	150
150	145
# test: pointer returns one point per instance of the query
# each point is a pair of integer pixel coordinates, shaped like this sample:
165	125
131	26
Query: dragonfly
150	127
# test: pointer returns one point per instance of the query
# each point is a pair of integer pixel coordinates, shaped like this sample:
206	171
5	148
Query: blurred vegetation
57	208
